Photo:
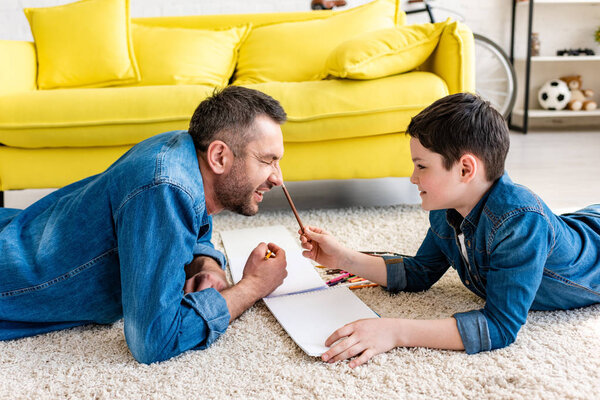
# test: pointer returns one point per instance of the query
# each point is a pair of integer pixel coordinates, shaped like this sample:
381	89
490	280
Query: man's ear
219	157
469	165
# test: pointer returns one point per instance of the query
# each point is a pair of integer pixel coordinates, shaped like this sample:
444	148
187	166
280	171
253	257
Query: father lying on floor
134	241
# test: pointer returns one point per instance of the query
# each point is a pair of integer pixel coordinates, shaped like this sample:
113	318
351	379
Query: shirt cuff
396	273
212	308
474	331
201	249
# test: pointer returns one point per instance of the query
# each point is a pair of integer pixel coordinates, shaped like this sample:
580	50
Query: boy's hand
264	276
363	338
322	247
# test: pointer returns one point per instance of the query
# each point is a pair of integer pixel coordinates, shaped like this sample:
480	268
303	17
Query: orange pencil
363	286
269	254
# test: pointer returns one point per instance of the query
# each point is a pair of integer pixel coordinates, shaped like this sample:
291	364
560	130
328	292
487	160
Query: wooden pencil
289	199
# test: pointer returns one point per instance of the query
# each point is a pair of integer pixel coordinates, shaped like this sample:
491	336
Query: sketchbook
304	305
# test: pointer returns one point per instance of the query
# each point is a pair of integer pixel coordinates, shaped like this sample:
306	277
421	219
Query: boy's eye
420	166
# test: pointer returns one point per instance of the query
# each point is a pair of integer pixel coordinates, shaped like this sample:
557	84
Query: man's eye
420	166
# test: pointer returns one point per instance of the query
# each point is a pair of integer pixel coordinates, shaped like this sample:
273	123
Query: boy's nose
413	179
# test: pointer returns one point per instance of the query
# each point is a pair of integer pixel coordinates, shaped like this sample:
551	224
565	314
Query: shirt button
468	243
467	282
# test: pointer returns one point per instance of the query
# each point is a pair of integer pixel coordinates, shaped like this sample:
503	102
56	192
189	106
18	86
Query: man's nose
276	178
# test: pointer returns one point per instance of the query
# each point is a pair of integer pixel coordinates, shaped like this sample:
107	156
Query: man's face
438	187
255	172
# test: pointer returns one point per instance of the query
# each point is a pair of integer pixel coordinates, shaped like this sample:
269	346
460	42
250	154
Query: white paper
310	318
304	305
301	273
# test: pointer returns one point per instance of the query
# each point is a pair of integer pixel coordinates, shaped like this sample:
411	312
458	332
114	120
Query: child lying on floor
504	242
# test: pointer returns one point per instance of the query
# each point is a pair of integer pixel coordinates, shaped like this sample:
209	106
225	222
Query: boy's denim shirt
115	245
521	257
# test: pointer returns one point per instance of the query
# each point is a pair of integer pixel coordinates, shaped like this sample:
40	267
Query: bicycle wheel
495	78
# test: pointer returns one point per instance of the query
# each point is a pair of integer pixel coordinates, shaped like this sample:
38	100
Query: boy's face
439	188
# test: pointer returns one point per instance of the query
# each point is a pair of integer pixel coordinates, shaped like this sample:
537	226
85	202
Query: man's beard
235	192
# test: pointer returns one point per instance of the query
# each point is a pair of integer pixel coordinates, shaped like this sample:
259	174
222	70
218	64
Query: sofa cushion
83	44
96	117
171	56
297	51
339	109
384	52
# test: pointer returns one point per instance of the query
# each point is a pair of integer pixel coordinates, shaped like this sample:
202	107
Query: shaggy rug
556	355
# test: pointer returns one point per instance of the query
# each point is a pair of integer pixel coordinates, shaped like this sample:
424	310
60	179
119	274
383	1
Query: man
134	241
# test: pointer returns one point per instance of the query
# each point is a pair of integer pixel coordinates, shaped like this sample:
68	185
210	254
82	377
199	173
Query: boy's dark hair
463	123
228	115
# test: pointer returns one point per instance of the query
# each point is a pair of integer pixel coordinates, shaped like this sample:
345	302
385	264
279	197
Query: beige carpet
556	355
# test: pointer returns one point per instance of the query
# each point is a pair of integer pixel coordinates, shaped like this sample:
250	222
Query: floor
562	167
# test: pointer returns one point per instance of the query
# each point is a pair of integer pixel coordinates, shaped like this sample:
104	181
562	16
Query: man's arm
261	276
156	232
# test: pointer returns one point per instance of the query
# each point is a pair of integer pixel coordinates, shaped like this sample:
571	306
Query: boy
505	243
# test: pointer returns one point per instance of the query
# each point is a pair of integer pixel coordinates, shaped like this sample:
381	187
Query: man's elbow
147	354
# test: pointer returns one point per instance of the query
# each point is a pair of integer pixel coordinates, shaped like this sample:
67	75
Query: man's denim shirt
521	257
115	245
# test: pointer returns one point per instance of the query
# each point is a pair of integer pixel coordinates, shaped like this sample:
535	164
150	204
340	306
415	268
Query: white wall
14	26
559	26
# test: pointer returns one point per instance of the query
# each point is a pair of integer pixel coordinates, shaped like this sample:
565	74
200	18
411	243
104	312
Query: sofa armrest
454	59
19	73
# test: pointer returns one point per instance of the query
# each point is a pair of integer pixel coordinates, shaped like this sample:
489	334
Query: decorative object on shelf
598	35
575	52
554	95
535	44
326	4
580	98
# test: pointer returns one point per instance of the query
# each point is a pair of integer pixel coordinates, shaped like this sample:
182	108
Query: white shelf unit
559	24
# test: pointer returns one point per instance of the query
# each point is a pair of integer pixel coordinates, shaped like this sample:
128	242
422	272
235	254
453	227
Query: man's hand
259	279
206	279
265	275
203	273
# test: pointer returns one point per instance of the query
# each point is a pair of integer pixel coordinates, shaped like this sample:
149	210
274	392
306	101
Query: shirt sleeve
418	273
157	233
516	264
204	246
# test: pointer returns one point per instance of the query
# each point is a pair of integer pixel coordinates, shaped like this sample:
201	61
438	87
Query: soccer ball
554	95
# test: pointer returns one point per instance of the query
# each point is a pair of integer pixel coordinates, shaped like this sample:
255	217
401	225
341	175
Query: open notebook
304	305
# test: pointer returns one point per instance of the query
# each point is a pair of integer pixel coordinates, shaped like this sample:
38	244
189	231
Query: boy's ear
219	157
469	164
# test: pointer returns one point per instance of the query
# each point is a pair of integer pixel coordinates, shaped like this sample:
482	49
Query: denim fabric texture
521	257
115	245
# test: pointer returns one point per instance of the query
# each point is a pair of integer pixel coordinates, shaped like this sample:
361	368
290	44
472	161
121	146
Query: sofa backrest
19	66
229	20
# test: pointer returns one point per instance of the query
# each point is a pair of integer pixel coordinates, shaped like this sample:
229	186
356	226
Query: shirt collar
456	220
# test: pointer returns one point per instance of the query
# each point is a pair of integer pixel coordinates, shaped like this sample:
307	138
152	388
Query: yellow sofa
336	129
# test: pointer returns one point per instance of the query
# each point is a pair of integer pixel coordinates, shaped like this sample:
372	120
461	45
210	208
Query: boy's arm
517	257
418	273
368	337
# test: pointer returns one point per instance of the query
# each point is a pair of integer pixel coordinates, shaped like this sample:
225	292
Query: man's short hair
228	115
463	123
